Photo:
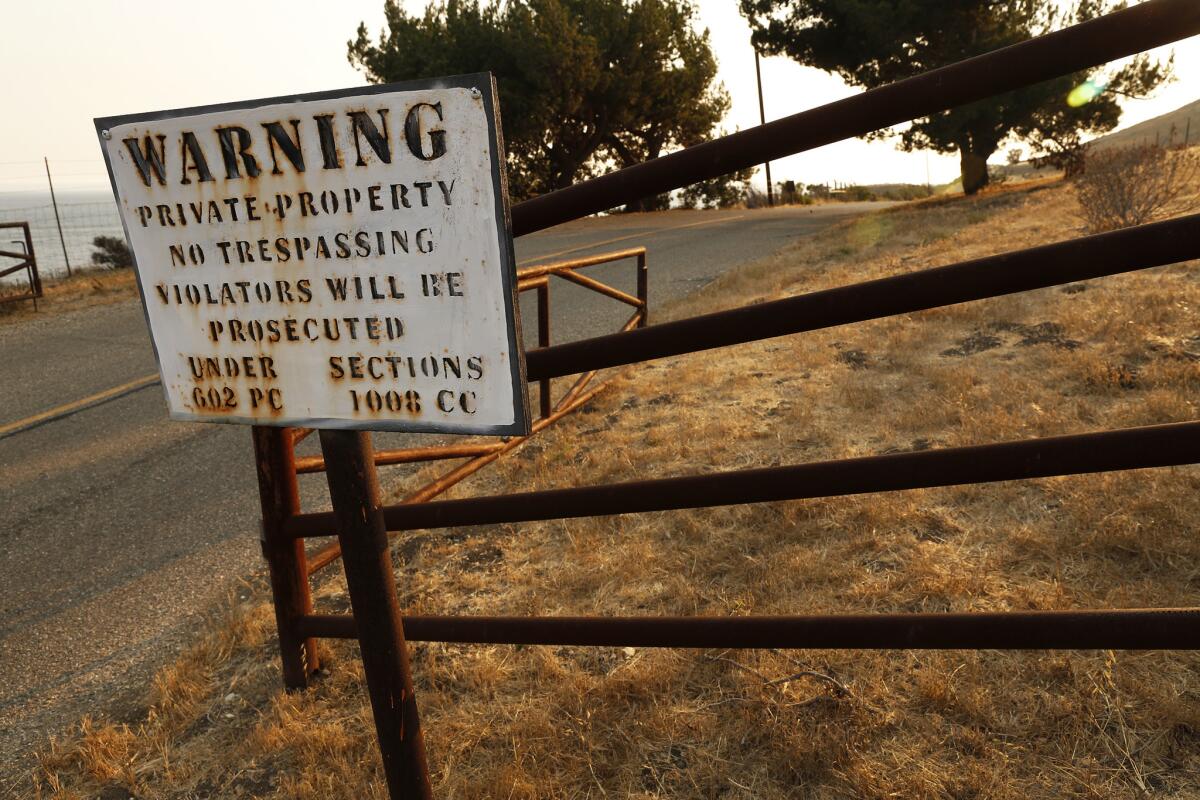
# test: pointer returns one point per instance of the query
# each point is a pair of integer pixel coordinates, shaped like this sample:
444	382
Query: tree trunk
974	170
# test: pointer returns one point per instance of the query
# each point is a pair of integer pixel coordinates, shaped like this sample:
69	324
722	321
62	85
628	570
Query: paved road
120	526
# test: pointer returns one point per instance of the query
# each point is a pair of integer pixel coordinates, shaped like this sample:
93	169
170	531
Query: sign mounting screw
475	93
107	134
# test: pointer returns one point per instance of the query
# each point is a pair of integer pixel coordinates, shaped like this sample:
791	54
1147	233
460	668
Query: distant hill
1158	128
1143	132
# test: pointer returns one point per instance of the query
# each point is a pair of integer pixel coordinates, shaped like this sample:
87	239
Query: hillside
1158	128
562	722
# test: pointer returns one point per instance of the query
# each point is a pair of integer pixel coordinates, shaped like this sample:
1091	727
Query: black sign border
485	84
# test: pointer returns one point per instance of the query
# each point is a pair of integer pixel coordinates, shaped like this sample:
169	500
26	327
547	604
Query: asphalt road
120	527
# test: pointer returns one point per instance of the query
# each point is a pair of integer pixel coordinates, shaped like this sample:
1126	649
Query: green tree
871	43
585	85
723	191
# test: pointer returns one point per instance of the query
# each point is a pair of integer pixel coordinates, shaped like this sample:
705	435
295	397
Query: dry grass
84	289
544	722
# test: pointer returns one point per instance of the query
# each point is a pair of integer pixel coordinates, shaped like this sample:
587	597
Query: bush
1132	185
111	251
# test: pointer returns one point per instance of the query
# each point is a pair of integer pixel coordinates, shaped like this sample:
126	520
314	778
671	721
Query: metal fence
377	622
278	465
18	260
81	224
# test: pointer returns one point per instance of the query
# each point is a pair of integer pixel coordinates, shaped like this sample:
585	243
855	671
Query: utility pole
762	115
58	221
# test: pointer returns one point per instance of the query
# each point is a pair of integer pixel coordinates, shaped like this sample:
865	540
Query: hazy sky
67	62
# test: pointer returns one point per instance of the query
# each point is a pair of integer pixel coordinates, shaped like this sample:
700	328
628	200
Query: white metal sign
337	260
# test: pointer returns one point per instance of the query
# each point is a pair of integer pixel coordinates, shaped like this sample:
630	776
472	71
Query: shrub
1132	185
111	251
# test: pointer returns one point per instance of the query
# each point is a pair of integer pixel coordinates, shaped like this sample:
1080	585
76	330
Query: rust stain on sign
337	260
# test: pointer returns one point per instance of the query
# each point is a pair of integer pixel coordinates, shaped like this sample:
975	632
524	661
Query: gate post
354	491
279	495
643	288
543	305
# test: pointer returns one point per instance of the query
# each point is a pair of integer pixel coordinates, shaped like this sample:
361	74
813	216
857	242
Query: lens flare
1086	92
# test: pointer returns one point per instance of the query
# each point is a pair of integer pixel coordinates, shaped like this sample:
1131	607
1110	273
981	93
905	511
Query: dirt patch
1050	333
1010	334
854	358
977	342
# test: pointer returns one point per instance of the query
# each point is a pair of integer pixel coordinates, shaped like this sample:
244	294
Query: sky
66	61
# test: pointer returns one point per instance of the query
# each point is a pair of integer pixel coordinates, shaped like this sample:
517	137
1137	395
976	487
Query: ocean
85	214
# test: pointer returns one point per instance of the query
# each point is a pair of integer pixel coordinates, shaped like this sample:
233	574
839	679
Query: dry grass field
542	722
86	288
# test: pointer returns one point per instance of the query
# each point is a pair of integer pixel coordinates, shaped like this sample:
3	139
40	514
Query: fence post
279	495
354	491
543	304
58	221
643	288
762	115
32	257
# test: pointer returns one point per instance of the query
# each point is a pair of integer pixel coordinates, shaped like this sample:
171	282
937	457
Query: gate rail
279	466
1113	36
26	262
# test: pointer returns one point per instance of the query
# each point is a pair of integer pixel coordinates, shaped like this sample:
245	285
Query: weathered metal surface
1128	250
354	491
643	289
334	260
532	278
26	261
1131	448
540	270
545	401
600	288
410	455
279	497
566	405
1132	629
1078	47
537	279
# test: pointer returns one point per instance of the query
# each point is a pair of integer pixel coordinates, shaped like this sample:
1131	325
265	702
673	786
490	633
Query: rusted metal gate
25	262
377	622
278	465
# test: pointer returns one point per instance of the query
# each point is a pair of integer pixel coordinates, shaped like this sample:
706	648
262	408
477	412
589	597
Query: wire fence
81	224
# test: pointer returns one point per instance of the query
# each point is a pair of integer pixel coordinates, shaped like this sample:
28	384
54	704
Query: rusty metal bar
597	286
31	256
300	434
1131	448
542	270
1079	47
311	464
471	467
483	454
533	283
279	497
637	319
1088	257
1126	629
27	264
411	455
543	310
643	289
332	551
354	490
